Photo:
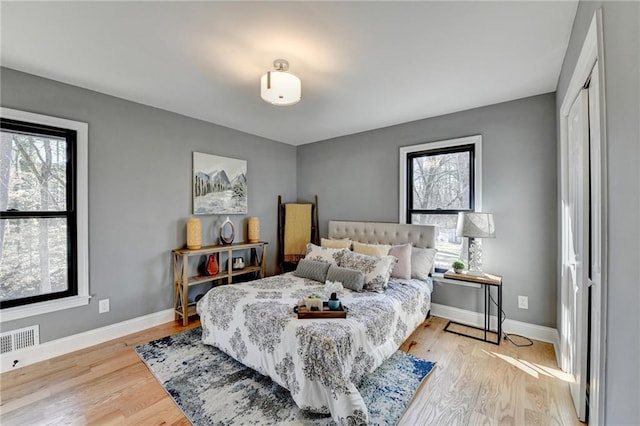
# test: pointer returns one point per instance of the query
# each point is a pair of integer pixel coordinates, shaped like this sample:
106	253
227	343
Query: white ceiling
363	65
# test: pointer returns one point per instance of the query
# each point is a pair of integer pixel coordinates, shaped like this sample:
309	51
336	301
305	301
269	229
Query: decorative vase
238	263
458	271
212	265
227	231
253	233
333	303
194	234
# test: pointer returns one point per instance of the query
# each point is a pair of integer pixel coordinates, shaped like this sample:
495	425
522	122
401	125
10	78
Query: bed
320	361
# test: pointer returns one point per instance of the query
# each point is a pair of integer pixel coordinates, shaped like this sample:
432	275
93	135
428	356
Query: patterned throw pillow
344	243
402	269
378	250
422	260
376	269
312	269
324	254
350	278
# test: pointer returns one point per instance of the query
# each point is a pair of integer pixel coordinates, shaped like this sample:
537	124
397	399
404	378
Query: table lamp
475	225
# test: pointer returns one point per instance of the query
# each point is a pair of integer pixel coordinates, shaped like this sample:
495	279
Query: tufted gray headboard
384	233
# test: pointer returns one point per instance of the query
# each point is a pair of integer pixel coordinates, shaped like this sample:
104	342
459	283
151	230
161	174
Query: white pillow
402	269
325	254
376	269
422	260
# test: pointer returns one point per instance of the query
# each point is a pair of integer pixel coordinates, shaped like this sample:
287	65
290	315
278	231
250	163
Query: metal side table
487	281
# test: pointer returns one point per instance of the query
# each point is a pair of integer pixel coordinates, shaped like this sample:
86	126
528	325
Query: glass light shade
280	88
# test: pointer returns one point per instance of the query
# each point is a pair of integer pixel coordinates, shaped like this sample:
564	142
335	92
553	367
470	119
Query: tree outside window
440	183
37	217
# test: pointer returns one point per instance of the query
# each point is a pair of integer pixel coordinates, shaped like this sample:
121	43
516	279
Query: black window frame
439	151
70	213
410	211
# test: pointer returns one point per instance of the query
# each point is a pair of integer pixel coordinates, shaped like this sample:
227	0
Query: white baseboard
532	331
83	340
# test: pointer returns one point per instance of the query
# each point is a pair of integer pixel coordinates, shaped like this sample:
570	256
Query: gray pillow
376	269
350	278
312	269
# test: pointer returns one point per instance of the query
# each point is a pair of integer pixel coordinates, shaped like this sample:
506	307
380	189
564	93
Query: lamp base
475	258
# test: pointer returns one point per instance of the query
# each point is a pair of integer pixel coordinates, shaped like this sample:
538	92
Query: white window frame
476	140
82	205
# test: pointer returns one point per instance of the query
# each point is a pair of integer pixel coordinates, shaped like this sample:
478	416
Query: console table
487	281
182	281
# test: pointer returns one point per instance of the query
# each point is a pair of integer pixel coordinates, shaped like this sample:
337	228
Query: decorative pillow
422	262
339	244
377	250
402	269
376	269
350	278
312	269
324	254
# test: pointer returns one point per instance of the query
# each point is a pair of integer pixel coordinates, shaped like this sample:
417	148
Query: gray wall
621	21
140	161
356	177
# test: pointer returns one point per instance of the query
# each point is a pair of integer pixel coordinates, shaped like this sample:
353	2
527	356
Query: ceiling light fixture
279	87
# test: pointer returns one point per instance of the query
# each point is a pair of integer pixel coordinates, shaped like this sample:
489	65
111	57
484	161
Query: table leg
487	310
499	314
185	289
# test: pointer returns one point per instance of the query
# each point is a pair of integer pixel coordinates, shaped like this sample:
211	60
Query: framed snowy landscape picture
219	185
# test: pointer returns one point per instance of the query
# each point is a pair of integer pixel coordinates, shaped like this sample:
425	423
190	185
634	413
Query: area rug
211	388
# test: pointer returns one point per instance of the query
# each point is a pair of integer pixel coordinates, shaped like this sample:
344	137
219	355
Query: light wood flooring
473	383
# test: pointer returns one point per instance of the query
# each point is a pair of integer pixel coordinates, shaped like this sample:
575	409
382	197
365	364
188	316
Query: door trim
592	54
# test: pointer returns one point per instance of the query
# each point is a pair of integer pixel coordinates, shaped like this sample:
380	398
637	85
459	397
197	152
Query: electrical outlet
523	302
103	306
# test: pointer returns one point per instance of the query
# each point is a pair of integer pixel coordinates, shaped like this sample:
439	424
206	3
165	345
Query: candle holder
194	234
253	232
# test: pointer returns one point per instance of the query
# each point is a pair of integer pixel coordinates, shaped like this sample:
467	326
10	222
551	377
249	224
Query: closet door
576	249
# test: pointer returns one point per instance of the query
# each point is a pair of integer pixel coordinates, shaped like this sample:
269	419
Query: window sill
18	312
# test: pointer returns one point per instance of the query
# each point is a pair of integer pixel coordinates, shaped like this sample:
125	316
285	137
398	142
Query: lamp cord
508	336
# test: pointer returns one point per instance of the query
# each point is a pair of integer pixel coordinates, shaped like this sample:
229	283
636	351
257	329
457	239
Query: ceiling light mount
281	65
280	87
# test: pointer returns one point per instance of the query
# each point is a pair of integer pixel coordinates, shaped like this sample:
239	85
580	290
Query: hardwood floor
484	384
473	383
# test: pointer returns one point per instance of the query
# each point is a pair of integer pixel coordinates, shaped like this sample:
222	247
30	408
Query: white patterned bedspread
319	361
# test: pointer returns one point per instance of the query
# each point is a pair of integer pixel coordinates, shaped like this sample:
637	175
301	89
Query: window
438	180
42	214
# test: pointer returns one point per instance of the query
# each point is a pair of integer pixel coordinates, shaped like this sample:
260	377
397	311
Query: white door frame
591	55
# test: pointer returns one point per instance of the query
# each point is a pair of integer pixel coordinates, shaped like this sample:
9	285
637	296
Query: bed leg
428	314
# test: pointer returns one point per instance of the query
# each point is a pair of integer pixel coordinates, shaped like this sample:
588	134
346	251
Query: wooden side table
487	281
182	281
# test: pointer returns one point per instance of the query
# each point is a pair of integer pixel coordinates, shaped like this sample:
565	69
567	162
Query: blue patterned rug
211	388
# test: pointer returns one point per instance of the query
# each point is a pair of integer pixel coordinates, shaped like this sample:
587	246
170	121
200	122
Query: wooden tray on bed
304	313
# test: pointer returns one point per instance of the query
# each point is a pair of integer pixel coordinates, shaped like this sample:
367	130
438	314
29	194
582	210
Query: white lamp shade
475	225
280	88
